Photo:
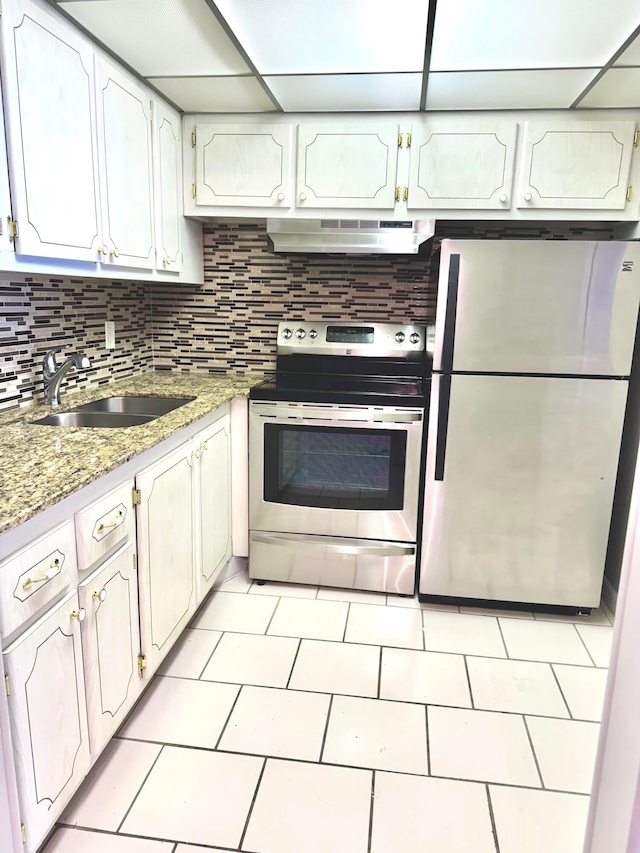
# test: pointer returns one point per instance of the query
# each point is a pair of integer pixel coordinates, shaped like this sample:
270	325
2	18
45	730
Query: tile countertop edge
42	465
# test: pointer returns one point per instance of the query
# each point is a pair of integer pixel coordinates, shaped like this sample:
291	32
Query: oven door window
334	467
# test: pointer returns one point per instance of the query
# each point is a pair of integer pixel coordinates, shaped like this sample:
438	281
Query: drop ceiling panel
215	94
506	90
495	34
329	36
168	37
631	56
619	87
347	92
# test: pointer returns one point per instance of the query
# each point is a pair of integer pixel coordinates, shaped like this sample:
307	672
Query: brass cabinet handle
53	571
100	595
116	523
80	615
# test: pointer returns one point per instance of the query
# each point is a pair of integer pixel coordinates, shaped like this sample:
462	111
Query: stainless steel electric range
335	445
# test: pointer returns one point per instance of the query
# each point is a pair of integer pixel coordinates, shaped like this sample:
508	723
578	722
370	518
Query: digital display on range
350	334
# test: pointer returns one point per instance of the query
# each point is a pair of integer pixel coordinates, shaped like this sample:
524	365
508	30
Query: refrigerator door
519	487
524	306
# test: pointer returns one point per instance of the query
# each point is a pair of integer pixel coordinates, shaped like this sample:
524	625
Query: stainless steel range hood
349	236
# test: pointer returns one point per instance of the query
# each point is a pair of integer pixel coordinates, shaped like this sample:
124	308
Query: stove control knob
414	338
313	334
399	337
286	333
300	334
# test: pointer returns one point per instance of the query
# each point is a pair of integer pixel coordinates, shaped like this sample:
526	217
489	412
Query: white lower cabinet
110	644
213	503
166	552
48	717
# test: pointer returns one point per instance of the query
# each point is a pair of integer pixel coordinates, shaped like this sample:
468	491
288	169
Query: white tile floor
297	720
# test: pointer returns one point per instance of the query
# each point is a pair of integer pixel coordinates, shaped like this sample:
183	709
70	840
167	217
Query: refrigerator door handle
444	396
450	314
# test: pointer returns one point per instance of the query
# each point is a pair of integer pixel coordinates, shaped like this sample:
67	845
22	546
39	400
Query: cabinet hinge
135	562
142	664
7	685
629	193
193	190
12	228
193	139
23	833
399	140
397	193
136	497
408	140
405	193
636	137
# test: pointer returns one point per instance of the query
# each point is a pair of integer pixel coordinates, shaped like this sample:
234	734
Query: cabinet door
167	158
455	167
213	499
49	98
581	164
110	644
243	164
48	717
124	122
166	553
347	166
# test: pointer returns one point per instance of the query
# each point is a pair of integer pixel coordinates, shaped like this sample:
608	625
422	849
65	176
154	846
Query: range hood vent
349	236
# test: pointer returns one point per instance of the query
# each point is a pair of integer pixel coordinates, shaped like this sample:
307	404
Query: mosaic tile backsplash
38	313
229	323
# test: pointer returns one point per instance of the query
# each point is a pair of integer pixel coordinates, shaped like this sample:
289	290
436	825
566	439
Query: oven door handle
300	543
318	417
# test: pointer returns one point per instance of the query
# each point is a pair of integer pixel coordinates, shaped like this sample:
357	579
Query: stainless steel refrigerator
534	344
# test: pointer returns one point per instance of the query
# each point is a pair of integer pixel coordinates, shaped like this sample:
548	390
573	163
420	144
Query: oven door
334	470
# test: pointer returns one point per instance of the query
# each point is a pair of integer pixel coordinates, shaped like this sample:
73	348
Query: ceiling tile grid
361	55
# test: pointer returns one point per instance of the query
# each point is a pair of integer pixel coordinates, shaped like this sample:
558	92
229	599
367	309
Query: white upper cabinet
347	165
126	183
581	164
49	99
469	166
243	165
167	158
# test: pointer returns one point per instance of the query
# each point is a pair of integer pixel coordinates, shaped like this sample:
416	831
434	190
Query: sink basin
154	406
95	419
112	412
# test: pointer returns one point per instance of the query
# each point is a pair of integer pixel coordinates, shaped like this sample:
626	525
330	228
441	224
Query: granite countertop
41	465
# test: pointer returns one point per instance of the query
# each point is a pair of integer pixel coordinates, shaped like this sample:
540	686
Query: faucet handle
49	360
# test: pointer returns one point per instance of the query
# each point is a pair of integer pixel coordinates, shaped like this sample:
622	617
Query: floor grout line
293	665
326	730
585	645
426	723
218	641
533	750
492	818
346	622
466	669
142	784
504	642
371	807
229	715
564	698
379	673
253	800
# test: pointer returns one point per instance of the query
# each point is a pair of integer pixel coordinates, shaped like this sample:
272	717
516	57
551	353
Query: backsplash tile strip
228	324
37	313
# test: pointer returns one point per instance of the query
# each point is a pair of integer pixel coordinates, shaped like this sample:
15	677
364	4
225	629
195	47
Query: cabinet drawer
33	576
103	524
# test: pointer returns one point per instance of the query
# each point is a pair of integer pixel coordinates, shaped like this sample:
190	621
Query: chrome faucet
54	373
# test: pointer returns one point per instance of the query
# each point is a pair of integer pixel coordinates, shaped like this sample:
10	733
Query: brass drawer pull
53	571
100	595
111	525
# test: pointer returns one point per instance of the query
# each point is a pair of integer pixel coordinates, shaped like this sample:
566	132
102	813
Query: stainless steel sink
95	419
113	412
154	406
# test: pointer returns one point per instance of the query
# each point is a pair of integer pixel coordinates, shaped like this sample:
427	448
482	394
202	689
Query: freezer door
519	487
537	306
